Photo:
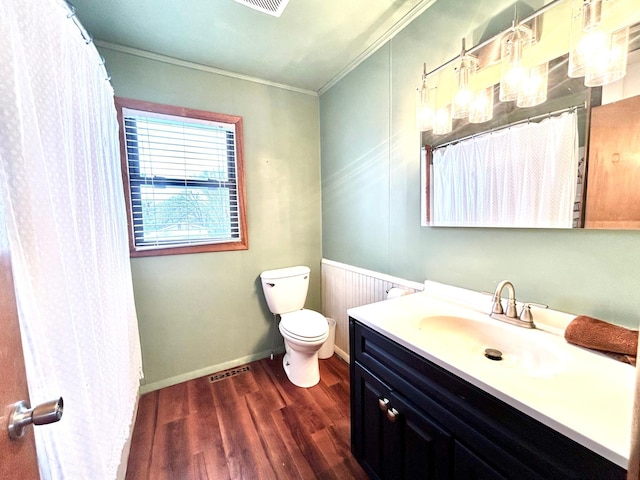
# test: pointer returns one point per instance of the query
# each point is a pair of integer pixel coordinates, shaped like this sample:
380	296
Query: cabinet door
370	426
392	438
427	449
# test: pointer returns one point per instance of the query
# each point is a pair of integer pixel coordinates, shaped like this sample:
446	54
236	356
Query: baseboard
150	387
341	353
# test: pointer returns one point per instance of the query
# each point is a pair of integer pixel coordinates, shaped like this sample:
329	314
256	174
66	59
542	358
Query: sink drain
493	354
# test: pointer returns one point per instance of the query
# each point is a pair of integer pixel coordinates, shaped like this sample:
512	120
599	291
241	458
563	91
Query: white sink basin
519	348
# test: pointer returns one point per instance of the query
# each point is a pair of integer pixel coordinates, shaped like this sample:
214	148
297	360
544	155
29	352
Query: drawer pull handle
392	414
383	403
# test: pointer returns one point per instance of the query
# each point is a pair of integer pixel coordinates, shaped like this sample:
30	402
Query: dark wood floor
255	425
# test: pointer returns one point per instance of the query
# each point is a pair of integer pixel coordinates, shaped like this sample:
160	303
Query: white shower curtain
62	194
521	176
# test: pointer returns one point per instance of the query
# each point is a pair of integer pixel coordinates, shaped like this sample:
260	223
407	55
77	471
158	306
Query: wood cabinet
411	419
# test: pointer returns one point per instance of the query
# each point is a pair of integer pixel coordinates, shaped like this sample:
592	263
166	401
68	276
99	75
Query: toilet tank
285	288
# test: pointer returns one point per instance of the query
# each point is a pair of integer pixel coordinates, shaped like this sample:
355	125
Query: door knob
22	415
383	404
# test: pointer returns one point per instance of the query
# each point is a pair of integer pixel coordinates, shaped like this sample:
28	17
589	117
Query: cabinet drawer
474	416
469	466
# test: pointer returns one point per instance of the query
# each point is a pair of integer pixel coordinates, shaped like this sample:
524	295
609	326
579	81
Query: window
183	177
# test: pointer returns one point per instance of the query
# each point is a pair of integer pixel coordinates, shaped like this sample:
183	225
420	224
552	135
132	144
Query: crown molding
412	14
198	66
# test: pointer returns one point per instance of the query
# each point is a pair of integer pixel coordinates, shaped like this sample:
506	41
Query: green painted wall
371	189
202	312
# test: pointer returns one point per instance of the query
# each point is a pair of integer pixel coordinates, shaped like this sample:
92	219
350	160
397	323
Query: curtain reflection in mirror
521	176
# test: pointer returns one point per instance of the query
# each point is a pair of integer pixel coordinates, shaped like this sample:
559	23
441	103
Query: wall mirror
604	194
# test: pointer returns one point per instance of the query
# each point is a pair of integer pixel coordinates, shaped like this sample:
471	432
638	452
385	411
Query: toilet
304	331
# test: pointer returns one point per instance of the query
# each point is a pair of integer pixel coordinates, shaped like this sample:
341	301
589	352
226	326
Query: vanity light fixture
463	94
424	104
598	55
512	72
598	50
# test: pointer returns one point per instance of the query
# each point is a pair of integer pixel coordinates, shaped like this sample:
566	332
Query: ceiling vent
271	7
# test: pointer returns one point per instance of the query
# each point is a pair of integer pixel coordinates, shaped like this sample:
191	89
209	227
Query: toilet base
301	368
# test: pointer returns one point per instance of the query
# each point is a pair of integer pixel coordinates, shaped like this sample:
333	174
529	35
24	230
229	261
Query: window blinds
183	180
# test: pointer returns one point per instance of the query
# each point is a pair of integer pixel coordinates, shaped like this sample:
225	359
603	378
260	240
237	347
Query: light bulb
510	82
462	102
482	106
589	47
533	89
608	63
442	122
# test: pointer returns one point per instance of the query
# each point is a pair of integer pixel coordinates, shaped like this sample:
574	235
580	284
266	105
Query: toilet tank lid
284	272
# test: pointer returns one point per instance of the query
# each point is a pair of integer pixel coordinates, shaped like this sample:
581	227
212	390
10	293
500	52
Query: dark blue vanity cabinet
411	419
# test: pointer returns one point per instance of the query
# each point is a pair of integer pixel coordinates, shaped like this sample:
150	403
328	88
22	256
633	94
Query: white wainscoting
345	286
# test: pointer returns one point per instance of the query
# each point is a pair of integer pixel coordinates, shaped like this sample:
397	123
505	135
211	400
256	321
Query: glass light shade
424	108
587	38
463	95
512	72
442	121
609	63
482	106
533	89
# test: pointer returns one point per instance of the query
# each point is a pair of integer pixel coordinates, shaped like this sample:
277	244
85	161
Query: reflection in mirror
529	196
524	174
596	206
613	193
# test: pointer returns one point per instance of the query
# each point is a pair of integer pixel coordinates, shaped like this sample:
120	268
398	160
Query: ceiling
310	46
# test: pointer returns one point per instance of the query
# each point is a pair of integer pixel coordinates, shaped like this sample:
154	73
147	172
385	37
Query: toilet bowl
304	331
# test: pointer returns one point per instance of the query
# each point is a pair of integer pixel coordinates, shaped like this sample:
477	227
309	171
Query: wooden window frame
243	242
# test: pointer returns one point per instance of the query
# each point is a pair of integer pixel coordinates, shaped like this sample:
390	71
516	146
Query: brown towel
619	342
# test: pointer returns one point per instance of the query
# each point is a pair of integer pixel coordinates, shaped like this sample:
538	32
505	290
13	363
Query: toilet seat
304	325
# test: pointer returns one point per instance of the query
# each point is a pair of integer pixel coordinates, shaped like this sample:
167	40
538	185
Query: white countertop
584	395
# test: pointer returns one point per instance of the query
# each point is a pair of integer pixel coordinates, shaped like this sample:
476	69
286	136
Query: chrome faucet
511	315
